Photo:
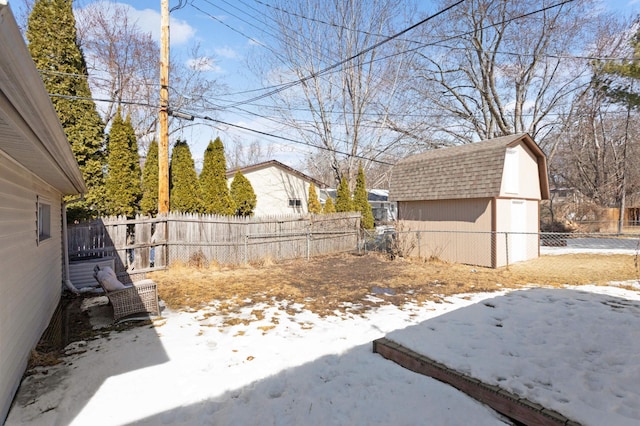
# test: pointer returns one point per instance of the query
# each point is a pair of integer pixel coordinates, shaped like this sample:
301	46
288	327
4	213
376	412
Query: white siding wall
520	178
274	188
30	273
524	240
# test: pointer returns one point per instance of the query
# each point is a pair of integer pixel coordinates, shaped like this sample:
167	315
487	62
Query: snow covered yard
193	368
576	350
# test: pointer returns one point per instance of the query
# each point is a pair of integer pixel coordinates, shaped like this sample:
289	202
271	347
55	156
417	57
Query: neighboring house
279	189
37	168
480	200
384	211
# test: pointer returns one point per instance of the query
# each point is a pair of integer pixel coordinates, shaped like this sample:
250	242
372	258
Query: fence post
419	244
246	248
308	243
506	246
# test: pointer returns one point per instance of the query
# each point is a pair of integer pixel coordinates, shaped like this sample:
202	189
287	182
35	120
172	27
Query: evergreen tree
122	185
149	202
617	78
343	197
243	195
329	207
361	200
184	190
51	35
314	206
213	181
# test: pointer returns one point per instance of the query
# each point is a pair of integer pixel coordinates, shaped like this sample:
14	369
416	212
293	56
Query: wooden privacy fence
144	244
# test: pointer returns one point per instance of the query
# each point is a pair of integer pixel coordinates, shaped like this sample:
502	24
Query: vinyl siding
528	186
529	236
31	279
274	188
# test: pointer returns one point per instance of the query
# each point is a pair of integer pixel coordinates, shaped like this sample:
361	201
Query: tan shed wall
31	280
459	230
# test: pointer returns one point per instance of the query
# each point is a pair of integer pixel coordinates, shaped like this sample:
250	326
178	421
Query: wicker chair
140	297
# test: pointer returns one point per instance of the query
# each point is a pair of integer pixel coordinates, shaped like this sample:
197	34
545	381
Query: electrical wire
351	58
237	126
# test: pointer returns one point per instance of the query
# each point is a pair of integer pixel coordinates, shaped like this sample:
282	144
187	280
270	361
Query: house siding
31	280
274	188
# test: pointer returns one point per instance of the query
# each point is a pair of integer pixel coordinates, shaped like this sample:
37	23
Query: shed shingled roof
465	171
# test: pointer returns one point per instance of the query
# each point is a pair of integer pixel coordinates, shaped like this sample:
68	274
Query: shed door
518	240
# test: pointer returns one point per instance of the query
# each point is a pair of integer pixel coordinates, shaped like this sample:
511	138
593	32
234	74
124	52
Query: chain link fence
498	249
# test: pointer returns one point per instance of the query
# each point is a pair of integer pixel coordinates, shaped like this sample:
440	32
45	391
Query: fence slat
223	239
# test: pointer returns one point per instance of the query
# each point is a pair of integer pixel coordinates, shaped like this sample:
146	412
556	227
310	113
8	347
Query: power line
204	117
80	98
278	88
344	61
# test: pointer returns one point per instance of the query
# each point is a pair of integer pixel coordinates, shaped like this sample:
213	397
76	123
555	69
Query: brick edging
502	401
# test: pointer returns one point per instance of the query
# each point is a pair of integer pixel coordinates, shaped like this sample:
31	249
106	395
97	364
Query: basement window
295	202
44	219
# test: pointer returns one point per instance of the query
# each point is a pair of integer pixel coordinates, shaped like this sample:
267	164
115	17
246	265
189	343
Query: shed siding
274	188
458	230
528	237
31	280
526	168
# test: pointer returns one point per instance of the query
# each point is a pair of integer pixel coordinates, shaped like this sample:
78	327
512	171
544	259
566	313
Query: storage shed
37	168
477	203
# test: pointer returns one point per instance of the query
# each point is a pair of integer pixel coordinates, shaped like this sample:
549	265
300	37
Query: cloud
227	52
180	32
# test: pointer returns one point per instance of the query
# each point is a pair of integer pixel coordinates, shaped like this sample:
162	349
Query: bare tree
123	64
122	60
246	155
494	67
345	110
594	151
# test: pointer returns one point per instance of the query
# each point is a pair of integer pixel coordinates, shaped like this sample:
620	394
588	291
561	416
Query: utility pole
163	114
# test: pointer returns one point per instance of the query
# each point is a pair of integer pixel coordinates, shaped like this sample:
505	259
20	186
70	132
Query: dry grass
345	282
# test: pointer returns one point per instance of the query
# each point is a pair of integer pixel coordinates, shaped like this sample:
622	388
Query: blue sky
226	31
227	35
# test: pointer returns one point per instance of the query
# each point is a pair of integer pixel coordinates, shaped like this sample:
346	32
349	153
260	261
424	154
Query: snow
576	350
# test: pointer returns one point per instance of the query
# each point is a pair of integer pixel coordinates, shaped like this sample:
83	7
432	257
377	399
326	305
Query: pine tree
243	195
213	181
314	206
361	200
149	202
616	78
122	184
343	197
184	190
329	207
51	35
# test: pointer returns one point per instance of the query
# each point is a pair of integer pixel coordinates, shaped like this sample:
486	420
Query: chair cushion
110	271
108	281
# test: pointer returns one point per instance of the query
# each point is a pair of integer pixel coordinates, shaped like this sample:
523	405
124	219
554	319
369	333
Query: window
295	202
44	220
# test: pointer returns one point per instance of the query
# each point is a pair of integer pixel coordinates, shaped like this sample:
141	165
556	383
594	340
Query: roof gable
279	165
466	171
